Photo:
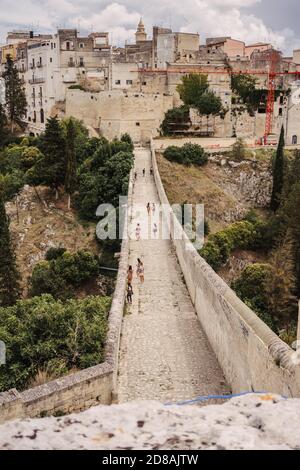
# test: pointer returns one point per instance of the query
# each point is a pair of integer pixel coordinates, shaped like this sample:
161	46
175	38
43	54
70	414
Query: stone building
142	74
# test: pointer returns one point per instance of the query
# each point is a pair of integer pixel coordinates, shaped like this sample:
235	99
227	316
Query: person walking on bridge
148	208
140	271
129	275
138	232
129	294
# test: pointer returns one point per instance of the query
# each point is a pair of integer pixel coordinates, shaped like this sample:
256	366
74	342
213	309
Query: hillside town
149	232
129	89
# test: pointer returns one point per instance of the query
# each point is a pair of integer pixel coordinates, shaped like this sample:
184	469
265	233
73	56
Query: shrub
62	273
188	154
173	154
239	235
30	156
250	287
46	334
54	253
193	154
211	253
76	87
45	281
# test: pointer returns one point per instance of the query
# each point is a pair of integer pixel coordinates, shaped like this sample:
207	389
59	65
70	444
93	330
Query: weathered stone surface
249	422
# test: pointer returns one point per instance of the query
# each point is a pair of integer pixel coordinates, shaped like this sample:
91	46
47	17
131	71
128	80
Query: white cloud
208	17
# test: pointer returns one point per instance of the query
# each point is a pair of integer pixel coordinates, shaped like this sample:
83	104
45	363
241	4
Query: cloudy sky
249	20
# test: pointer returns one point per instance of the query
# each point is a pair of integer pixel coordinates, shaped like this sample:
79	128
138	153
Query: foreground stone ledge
250	422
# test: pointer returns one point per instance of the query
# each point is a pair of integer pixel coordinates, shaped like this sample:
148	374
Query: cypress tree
278	174
9	277
3	122
15	97
52	167
71	166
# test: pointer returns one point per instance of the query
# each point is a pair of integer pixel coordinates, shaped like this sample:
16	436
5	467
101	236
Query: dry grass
41	223
195	186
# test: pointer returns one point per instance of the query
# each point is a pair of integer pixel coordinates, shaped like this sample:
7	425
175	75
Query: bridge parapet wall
252	356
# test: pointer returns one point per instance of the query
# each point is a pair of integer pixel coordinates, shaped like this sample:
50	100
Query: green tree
278	174
62	273
243	85
209	104
9	277
290	214
14	94
126	138
51	168
239	150
250	287
43	334
71	165
176	119
116	171
3	123
280	284
192	87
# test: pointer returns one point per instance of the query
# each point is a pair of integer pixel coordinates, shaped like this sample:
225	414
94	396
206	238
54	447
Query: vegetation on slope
56	331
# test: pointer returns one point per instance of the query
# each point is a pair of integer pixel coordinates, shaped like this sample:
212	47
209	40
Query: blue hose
216	397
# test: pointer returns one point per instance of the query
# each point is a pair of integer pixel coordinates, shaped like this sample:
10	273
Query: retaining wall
251	355
93	386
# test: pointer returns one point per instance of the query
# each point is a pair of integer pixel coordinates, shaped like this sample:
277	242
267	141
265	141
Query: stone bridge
187	333
165	354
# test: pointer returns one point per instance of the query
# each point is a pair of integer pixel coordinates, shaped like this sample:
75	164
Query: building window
117	82
42	116
68	45
51	60
81	45
144	83
52	46
81	62
137	124
280	111
34	116
128	82
295	140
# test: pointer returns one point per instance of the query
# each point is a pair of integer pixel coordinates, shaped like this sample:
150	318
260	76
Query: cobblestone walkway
164	353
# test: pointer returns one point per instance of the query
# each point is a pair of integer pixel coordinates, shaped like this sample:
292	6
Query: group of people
150	208
143	173
140	272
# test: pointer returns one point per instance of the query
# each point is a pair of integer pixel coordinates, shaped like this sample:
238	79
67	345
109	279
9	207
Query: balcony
36	80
